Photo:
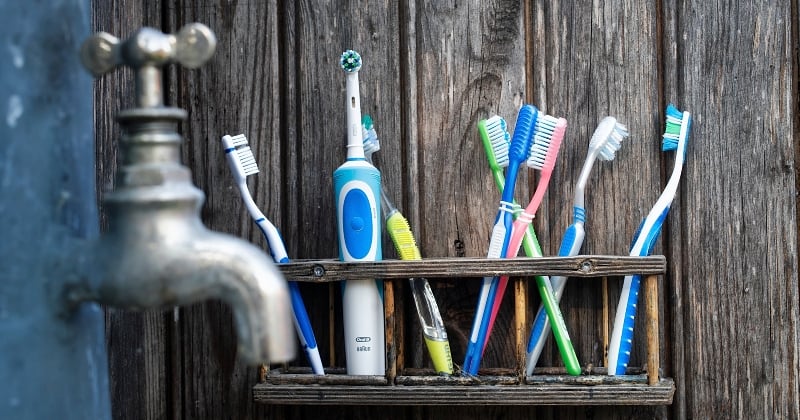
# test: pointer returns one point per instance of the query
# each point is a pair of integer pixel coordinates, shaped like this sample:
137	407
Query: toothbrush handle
530	243
621	342
474	350
357	195
302	322
571	245
552	309
303	326
619	348
427	310
545	290
478	334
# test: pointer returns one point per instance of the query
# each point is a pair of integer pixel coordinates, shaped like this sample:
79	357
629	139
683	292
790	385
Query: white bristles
237	140
370	141
545	127
499	138
608	137
240	157
246	160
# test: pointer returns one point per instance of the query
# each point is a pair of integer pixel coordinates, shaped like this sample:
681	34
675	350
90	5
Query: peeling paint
14	110
17	58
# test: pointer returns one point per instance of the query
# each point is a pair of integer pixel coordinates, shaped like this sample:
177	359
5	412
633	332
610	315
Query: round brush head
350	61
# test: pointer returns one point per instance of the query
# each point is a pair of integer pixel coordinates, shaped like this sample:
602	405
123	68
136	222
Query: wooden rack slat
581	266
545	394
498	386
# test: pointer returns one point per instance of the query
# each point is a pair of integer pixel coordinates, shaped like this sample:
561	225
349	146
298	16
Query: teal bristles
673	129
350	61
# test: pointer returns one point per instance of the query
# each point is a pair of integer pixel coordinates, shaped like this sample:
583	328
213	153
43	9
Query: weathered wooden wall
431	71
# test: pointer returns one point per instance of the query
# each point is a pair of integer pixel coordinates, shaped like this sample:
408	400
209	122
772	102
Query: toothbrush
547	142
518	152
605	141
242	164
357	187
433	329
676	137
495	141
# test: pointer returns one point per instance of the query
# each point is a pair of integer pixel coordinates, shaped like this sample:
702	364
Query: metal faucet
156	252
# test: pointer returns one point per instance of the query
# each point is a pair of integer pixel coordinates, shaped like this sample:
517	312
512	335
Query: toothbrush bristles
613	142
247	160
548	133
370	141
499	138
238	140
350	61
672	130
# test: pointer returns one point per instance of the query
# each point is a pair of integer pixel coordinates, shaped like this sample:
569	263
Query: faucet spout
145	272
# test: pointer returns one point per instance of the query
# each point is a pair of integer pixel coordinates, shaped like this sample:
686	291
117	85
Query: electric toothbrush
357	186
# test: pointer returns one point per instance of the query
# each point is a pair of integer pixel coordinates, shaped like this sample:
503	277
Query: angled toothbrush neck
510	181
583	178
680	157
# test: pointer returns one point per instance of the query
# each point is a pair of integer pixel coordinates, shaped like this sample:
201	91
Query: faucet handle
146	51
192	46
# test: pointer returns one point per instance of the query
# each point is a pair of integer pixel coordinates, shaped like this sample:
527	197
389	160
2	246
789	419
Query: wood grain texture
466	395
432	69
467	64
733	71
587	266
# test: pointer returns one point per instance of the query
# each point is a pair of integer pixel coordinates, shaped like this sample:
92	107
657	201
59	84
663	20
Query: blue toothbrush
357	186
501	232
676	137
242	164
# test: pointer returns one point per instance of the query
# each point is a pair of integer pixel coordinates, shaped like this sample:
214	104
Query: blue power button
357	223
357	210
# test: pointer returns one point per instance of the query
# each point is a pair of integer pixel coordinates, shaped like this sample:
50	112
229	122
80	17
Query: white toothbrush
242	164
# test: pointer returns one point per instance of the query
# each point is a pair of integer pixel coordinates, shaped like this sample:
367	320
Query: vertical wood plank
137	341
651	328
521	321
734	71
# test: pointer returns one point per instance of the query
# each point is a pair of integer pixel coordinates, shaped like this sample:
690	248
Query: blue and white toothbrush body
357	186
676	137
242	164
